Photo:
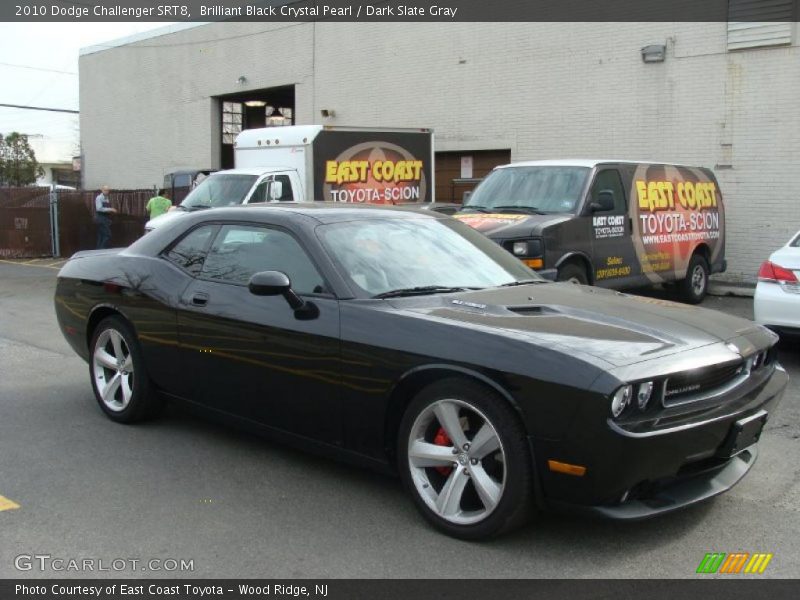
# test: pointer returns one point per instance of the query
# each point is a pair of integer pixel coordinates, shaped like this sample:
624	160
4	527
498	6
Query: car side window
190	251
239	251
609	179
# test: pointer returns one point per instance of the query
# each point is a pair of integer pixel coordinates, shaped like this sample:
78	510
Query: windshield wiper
522	209
422	290
523	282
482	209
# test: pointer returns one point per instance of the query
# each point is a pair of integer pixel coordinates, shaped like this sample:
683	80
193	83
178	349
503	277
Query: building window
759	23
231	121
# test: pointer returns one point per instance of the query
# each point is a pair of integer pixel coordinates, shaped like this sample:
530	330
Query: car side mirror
277	283
604	202
275	190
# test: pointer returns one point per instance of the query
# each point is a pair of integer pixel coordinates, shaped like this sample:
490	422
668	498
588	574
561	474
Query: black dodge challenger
405	340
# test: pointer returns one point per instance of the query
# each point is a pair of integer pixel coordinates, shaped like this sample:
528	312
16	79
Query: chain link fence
36	222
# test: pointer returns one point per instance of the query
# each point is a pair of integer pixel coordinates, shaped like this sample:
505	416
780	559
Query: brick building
726	96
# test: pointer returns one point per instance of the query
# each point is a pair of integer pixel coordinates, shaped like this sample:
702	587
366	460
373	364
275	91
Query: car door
252	356
613	255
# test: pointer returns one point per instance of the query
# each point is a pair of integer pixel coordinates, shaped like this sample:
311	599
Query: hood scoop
533	311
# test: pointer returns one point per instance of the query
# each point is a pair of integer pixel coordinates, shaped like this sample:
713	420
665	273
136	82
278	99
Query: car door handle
200	299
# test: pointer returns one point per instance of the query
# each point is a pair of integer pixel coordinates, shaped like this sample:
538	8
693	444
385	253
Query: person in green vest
158	205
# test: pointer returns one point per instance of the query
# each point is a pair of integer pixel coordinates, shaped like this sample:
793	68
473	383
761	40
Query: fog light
644	394
520	248
621	399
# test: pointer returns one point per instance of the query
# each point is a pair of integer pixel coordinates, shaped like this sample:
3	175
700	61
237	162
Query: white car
777	299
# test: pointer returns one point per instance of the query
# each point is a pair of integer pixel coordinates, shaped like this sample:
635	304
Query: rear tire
573	272
120	382
694	288
465	460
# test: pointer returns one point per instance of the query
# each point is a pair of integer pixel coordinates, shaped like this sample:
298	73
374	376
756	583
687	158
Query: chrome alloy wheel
112	367
698	280
457	461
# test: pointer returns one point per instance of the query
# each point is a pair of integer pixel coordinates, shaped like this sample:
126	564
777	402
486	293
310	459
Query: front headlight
520	249
643	394
621	400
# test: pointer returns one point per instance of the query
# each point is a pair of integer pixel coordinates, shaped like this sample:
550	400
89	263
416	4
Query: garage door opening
268	107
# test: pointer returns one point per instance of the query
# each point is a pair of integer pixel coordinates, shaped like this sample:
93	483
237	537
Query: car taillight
769	271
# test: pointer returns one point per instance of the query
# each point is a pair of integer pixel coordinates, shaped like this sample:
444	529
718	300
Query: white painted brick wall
543	90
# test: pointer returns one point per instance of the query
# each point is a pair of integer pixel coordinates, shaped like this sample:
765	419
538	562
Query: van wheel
694	288
574	273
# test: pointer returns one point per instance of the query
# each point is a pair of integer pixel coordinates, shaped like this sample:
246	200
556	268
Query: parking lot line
6	504
55	265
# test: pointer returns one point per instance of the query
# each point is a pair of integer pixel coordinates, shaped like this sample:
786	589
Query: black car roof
325	212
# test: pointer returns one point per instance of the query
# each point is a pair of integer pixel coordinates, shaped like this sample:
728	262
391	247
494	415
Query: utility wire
63	110
5	64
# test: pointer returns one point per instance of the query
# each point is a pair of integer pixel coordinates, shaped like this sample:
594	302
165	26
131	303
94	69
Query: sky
39	67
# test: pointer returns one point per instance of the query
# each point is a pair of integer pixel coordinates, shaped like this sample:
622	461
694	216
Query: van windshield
542	190
219	190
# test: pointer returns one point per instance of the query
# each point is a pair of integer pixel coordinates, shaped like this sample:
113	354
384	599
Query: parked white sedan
777	299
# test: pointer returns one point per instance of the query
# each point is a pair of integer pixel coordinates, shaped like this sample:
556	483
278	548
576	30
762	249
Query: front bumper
636	476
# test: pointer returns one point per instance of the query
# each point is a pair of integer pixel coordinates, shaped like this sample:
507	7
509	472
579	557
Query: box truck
315	162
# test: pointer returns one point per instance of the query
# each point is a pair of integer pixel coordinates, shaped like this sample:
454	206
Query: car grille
701	383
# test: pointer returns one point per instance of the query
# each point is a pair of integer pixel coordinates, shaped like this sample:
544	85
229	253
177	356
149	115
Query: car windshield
219	190
530	189
405	256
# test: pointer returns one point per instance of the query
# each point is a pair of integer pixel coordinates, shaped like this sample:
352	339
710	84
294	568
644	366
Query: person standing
102	217
158	205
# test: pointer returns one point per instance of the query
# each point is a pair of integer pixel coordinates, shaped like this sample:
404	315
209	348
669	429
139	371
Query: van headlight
621	400
525	248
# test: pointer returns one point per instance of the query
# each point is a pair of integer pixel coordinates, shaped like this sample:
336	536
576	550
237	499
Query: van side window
609	179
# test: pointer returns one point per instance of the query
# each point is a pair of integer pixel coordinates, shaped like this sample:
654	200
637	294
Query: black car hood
617	328
494	224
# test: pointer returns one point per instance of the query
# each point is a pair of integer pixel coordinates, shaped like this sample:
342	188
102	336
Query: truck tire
573	272
694	287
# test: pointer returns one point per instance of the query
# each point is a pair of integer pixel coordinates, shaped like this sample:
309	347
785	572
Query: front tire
574	273
120	382
465	460
694	287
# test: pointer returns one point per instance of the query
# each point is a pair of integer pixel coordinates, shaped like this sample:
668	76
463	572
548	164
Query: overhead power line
62	110
5	64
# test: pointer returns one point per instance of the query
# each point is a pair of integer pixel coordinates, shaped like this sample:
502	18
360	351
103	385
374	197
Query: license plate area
744	432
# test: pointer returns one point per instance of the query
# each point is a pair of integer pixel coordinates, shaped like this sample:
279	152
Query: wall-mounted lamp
327	113
242	80
255	103
654	53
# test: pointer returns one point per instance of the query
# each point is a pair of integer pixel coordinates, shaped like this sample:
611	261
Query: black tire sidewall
687	291
515	503
570	270
138	405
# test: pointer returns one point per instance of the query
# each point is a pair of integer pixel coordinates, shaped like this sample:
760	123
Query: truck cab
238	186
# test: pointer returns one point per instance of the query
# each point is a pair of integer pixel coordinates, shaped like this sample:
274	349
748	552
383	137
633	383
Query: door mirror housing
277	283
604	202
275	190
269	283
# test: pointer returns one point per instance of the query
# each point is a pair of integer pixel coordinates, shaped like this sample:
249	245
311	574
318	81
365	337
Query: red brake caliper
441	439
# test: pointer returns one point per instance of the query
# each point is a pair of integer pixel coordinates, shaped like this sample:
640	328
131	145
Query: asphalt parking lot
184	488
